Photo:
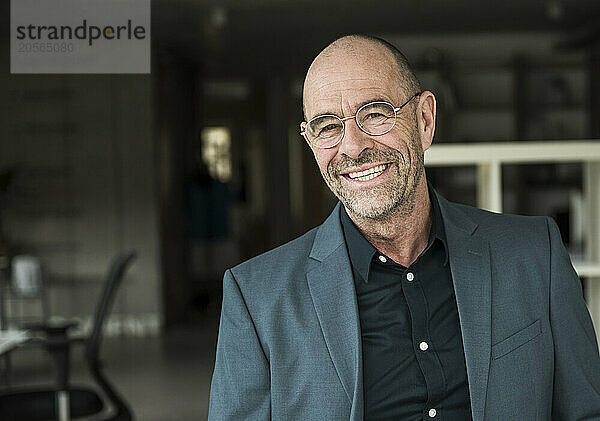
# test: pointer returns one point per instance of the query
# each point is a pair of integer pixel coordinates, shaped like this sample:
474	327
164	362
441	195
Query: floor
165	378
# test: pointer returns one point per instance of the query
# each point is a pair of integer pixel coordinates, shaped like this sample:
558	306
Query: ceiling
235	37
229	36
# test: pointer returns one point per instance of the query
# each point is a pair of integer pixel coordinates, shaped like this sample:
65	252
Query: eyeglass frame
343	119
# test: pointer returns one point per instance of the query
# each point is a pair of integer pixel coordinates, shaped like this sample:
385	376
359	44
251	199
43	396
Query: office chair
62	402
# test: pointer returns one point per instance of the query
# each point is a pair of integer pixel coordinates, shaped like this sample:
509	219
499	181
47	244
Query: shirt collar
361	251
437	227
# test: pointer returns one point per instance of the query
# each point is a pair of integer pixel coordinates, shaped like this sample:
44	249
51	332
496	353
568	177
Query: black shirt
413	356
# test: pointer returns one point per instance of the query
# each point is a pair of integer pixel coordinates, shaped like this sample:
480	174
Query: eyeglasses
375	119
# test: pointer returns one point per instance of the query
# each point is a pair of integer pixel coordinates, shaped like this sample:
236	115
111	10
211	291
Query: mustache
369	156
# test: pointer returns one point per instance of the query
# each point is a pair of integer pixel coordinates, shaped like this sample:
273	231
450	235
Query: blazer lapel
331	286
471	274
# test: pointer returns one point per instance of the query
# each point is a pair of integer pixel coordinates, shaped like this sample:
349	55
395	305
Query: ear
302	129
426	111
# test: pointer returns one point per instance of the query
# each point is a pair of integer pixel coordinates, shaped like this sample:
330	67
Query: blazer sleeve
240	388
576	394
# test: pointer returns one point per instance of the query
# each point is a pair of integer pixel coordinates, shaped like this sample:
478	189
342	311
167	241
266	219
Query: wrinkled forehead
343	80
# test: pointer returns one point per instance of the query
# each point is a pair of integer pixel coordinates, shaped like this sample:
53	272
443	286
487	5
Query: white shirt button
410	276
382	259
432	413
423	346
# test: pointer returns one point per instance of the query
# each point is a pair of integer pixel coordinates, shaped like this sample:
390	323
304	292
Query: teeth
367	174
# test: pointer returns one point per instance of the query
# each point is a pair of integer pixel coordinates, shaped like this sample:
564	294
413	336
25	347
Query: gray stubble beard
395	198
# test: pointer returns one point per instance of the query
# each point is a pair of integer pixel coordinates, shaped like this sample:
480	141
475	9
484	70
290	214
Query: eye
375	116
325	126
328	129
374	119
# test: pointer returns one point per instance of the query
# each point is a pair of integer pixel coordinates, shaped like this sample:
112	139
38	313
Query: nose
354	141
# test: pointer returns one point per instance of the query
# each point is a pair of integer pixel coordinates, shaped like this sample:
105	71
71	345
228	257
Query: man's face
372	176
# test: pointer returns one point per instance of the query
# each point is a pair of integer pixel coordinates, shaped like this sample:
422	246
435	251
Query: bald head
371	54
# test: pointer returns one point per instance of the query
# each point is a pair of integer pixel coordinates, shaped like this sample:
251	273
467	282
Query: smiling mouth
367	174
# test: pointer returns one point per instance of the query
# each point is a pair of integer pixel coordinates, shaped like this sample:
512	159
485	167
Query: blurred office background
199	165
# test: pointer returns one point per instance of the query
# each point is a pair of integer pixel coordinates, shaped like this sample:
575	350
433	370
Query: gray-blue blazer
289	344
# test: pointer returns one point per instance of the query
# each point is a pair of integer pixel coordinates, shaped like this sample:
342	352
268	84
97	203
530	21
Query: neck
403	234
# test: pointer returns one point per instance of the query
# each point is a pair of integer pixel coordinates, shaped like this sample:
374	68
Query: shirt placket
422	345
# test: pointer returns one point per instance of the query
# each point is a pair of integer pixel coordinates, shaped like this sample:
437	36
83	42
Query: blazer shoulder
512	227
282	259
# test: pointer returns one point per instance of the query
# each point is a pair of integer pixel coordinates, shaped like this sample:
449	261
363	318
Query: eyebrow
357	108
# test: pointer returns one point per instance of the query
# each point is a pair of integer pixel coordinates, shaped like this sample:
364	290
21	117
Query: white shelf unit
488	158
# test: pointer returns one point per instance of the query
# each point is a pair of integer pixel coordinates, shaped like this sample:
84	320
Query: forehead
339	83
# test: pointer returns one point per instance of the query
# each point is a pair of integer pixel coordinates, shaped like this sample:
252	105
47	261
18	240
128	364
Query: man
401	305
